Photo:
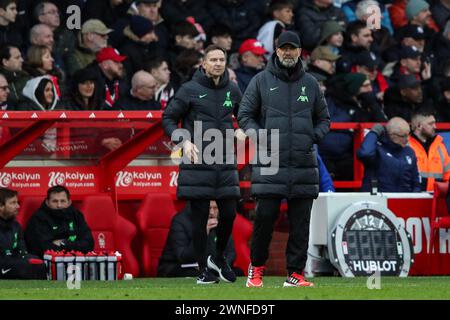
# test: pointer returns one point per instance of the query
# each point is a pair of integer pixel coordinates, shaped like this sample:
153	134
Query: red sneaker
297	280
255	275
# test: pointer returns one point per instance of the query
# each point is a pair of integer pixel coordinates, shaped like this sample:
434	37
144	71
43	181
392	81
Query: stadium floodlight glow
367	238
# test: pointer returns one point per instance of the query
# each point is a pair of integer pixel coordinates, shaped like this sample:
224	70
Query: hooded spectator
40	95
331	35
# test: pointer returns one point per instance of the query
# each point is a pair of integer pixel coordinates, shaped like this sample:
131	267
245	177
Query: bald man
42	35
141	95
388	160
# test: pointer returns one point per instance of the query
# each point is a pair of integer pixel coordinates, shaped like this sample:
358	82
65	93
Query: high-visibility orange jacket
435	164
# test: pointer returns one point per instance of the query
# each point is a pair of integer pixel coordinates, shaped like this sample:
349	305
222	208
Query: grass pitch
326	288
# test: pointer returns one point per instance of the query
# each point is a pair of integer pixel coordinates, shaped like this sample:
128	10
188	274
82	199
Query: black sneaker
207	277
224	270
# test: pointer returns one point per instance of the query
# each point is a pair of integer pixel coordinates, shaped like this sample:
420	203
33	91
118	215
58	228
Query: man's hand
190	151
111	143
212	223
426	72
240	135
378	129
59	242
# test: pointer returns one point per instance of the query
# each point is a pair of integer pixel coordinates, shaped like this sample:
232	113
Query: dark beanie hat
140	26
353	82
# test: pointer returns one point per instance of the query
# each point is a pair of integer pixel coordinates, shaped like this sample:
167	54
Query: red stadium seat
28	206
242	232
440	217
111	231
154	218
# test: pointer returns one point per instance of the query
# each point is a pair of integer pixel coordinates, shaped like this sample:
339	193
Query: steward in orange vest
433	160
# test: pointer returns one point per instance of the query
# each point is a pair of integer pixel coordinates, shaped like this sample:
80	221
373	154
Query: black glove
378	129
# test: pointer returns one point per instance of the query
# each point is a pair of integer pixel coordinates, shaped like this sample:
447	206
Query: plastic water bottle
111	268
69	260
80	263
60	269
101	260
91	258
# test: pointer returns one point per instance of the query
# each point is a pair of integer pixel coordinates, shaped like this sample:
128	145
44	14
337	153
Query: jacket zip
290	139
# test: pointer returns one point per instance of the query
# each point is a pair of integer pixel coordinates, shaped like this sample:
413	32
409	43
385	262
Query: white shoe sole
213	266
252	286
287	284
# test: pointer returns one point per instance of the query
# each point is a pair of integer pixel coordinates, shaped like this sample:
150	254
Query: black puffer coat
201	100
295	106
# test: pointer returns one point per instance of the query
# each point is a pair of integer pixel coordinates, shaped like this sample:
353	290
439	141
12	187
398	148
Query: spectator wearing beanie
331	35
138	35
399	16
83	94
350	99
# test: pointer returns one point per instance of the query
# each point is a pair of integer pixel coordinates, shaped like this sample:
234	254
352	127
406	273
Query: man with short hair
9	34
388	159
42	35
92	38
221	35
433	160
209	98
287	98
142	93
359	38
11	63
159	69
4	93
57	225
15	262
252	61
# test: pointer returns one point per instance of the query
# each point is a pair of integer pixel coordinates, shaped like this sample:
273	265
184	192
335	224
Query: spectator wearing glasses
142	93
92	38
388	159
4	93
47	13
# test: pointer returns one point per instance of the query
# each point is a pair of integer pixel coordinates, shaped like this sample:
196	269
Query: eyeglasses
402	136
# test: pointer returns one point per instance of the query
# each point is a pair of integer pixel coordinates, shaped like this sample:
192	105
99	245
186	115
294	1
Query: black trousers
25	268
200	213
299	214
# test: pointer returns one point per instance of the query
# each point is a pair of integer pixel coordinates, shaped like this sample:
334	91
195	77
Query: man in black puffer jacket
57	225
286	98
208	100
15	262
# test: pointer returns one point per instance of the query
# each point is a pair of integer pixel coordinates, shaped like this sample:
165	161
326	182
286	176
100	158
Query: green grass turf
186	289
